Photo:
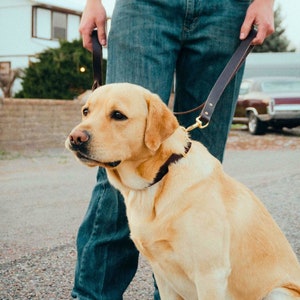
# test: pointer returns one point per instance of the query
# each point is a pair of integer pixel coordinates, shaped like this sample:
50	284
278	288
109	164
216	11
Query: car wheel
256	126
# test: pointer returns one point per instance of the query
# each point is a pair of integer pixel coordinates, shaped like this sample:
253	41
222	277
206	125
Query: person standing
149	40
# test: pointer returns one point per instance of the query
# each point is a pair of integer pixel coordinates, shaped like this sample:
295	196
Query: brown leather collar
164	169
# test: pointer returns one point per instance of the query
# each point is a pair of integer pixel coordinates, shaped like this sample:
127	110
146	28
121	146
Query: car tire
256	126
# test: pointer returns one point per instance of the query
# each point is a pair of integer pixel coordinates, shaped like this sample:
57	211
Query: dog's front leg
214	285
166	291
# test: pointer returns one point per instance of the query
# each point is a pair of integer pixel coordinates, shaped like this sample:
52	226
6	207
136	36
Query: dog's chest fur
162	219
159	214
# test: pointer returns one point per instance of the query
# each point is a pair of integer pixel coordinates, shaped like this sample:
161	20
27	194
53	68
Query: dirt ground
240	139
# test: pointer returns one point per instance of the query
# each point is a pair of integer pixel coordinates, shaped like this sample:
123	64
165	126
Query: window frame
52	11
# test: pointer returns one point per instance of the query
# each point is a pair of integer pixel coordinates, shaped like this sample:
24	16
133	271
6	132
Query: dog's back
261	258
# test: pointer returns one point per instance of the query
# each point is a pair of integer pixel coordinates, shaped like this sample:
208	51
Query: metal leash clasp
227	74
198	124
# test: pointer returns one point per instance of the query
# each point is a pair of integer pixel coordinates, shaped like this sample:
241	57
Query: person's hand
260	13
93	16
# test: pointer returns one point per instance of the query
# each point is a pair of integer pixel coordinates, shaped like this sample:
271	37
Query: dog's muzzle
78	142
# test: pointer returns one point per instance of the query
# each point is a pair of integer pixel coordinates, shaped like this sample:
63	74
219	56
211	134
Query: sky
289	12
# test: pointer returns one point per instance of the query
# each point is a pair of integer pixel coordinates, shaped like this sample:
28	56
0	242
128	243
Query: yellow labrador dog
205	235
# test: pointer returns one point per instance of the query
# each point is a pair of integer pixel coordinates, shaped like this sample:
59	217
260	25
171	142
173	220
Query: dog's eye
118	116
85	111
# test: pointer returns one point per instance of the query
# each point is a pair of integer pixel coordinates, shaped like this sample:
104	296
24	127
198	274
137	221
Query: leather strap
164	169
225	77
97	61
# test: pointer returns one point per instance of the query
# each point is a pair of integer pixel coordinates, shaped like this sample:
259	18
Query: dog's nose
78	137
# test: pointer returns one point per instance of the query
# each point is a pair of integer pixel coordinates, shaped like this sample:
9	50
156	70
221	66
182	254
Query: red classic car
268	101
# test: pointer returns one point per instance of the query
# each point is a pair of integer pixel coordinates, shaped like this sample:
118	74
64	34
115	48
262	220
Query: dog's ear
161	122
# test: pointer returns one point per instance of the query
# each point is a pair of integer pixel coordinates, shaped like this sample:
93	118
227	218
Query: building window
54	25
59	26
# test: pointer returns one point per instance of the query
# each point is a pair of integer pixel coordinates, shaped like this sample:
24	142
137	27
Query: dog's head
120	122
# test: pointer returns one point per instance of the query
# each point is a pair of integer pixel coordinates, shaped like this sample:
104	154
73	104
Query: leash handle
97	60
230	70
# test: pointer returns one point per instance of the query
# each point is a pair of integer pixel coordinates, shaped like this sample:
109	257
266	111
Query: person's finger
86	37
246	26
260	36
264	29
101	28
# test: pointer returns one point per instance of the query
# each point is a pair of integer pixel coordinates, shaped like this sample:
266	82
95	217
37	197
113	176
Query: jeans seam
92	236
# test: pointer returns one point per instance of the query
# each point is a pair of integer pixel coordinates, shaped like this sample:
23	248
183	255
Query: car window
245	87
281	86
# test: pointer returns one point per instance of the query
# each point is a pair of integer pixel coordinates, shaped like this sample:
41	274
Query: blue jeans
150	40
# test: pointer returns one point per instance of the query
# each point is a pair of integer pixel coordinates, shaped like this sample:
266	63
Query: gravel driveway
44	196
